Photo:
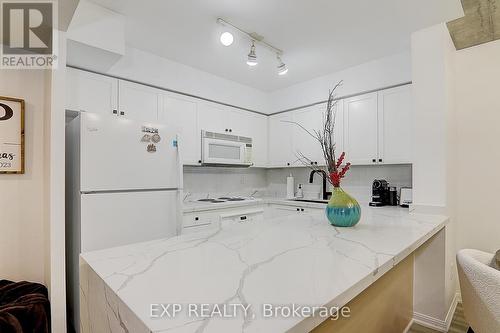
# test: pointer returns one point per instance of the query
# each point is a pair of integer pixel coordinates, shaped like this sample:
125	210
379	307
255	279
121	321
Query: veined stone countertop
298	259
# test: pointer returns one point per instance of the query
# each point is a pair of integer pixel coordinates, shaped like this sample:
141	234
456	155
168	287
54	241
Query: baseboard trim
407	329
438	324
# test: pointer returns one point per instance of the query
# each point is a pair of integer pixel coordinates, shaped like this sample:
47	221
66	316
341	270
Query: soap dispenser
300	192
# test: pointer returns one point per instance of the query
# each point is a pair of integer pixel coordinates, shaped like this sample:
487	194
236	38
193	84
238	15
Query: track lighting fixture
227	39
282	69
252	57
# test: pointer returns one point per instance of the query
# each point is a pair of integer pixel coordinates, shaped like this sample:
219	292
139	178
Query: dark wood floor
458	325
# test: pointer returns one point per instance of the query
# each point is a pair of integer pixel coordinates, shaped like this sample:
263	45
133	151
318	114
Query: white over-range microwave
218	149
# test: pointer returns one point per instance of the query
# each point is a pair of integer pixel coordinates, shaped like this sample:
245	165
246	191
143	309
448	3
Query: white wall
477	157
22	236
145	67
433	89
372	75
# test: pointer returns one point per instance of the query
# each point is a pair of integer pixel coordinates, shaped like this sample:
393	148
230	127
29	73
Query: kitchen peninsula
299	260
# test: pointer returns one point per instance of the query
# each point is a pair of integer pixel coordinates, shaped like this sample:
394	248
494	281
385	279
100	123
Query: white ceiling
317	36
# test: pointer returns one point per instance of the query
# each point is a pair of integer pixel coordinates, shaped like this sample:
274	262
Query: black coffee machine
383	194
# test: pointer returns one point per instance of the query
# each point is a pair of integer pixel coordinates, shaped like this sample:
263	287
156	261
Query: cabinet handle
312	163
199	161
196	218
230	130
298	209
226	130
316	163
115	111
380	160
374	160
288	164
302	209
122	113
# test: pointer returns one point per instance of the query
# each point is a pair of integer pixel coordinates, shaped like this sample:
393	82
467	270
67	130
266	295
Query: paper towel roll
290	187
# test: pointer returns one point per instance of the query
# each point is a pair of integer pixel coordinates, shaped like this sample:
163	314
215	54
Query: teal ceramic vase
342	209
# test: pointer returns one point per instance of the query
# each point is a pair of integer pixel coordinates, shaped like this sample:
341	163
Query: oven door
223	152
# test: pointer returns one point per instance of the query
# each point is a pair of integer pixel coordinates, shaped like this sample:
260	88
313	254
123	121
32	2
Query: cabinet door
182	114
395	125
215	118
360	126
254	126
280	151
91	92
138	102
310	120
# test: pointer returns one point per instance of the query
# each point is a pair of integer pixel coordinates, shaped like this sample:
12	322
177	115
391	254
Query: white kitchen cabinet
182	113
138	102
89	92
216	118
254	126
395	131
281	153
360	129
310	120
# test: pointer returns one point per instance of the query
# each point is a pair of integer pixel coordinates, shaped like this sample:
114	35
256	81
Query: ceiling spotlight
252	57
226	38
282	69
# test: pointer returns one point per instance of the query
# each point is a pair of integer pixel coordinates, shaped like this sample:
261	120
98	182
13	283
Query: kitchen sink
314	201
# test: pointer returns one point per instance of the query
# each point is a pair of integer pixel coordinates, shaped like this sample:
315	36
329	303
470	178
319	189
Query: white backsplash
358	181
203	182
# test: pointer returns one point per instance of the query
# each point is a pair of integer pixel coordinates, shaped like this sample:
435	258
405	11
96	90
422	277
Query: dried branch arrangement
326	138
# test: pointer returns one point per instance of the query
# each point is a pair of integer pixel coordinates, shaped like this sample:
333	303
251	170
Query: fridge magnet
146	138
156	138
11	135
151	148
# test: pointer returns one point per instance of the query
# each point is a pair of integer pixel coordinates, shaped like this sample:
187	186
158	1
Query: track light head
282	69
252	56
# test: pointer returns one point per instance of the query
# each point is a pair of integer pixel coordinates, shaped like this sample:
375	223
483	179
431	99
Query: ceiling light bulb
252	57
226	38
282	69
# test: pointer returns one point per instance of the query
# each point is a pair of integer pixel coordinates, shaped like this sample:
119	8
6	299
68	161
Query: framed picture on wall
11	135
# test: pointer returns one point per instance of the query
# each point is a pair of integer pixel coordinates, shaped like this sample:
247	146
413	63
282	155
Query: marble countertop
298	259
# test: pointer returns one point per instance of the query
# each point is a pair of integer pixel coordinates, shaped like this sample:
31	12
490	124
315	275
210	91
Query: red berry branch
338	173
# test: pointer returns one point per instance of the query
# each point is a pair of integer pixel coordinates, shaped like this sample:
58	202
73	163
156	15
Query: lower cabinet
205	220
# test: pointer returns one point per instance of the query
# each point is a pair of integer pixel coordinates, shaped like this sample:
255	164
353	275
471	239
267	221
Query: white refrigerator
123	186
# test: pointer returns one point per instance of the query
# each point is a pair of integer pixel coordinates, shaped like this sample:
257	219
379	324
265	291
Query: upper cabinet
292	141
91	92
378	127
307	122
182	113
360	125
138	102
395	108
281	131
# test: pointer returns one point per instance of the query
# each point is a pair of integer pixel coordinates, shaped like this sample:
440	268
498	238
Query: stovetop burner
221	199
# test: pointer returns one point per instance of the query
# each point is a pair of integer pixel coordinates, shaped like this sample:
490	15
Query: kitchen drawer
200	218
243	216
